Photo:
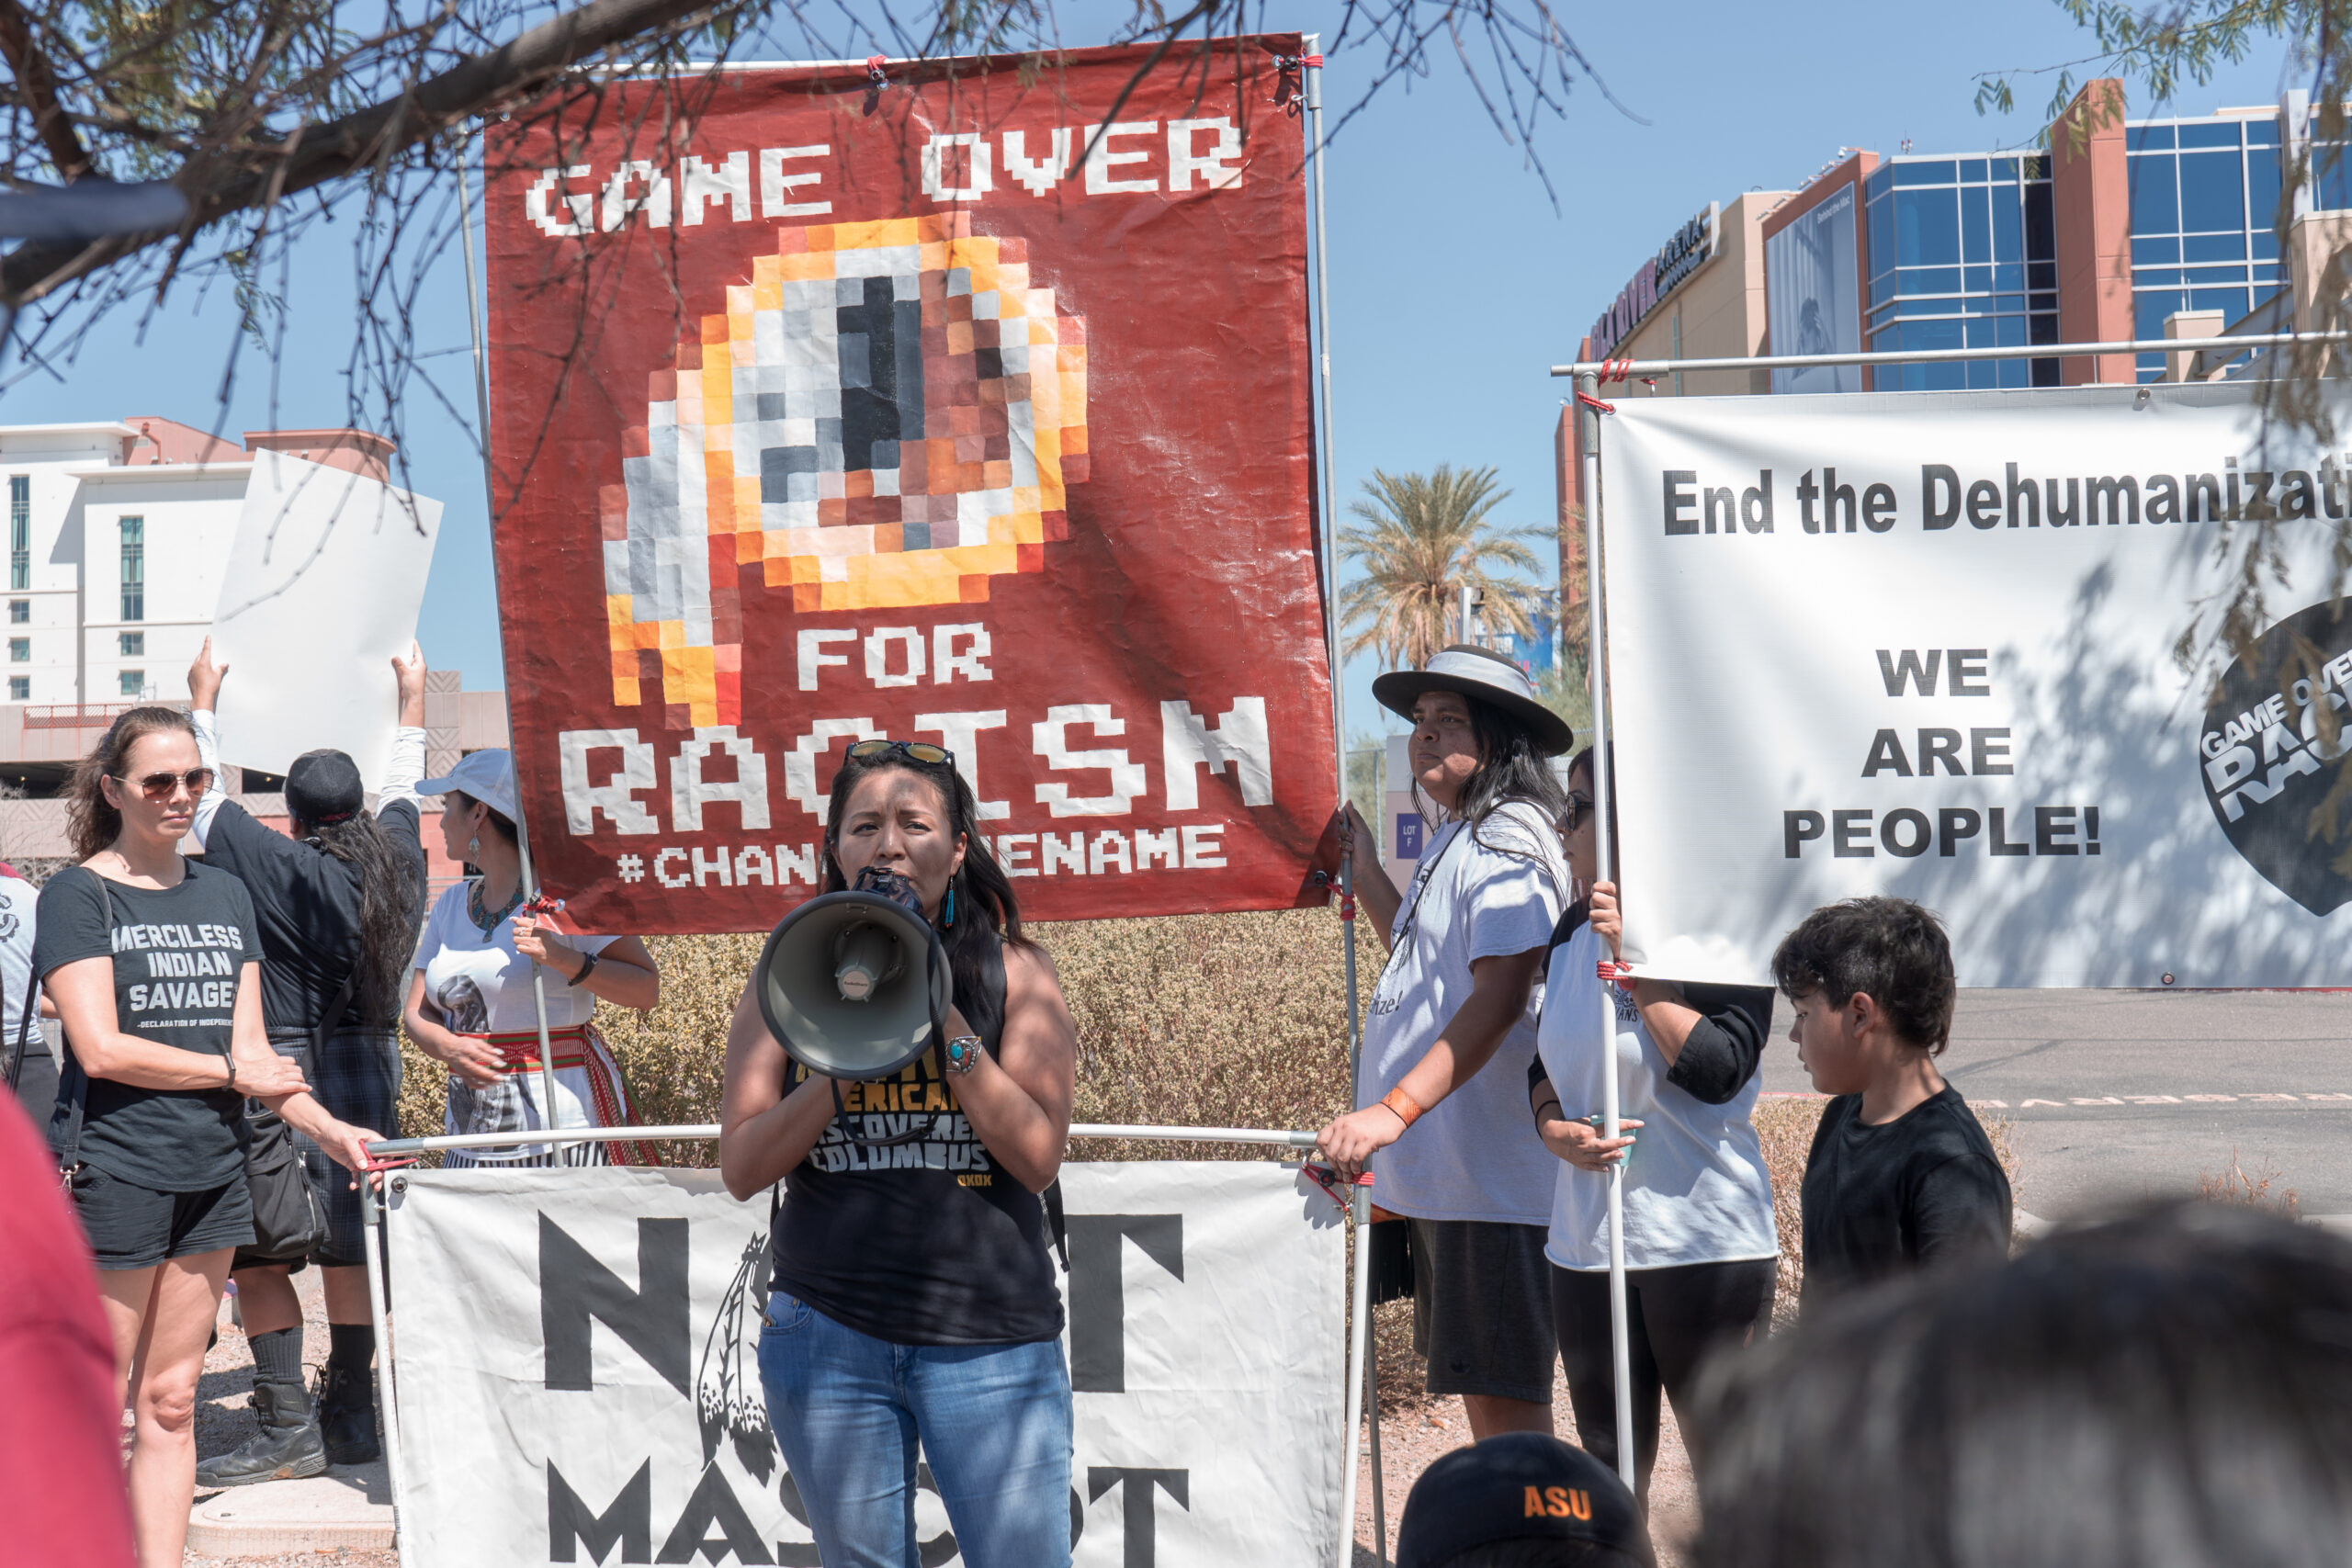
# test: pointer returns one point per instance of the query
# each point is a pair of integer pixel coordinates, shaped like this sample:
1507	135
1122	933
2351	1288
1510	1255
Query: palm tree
1427	536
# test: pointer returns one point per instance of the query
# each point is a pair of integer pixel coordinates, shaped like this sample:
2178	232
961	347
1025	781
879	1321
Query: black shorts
131	1226
1482	1308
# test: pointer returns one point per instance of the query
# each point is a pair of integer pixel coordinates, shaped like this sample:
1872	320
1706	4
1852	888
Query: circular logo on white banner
2274	734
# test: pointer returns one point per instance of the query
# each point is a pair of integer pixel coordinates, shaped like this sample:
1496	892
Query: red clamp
1589	400
1289	96
1347	906
393	1163
540	904
1323	1175
1616	369
875	82
1623	974
874	70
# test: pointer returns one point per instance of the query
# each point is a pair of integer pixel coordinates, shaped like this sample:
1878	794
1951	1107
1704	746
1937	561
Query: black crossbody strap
67	1161
27	1032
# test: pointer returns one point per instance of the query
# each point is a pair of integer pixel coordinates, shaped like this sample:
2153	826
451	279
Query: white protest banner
1922	644
322	590
577	1380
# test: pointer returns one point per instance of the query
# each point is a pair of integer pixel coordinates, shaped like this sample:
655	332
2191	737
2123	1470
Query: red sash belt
518	1053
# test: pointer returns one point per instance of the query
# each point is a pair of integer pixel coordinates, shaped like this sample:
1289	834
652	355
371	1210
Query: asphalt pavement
2120	1096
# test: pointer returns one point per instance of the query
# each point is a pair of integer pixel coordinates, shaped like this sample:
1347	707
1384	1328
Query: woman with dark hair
471	1003
1701	1252
337	900
153	962
911	1301
1461	990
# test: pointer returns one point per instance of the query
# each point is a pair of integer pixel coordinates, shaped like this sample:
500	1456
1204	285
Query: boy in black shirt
1901	1176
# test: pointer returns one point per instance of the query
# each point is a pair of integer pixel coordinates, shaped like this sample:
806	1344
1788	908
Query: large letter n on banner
653	1319
1098	1290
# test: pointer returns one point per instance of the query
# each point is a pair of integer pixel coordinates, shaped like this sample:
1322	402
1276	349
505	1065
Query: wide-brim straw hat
1485	676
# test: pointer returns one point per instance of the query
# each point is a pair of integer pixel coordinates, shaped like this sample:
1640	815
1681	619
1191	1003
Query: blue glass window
2040	228
2154	252
1927	228
2148	277
2262	132
2146	138
2264	241
2042	275
2005	169
2210	133
2215	247
2262	188
2149	309
2213	192
2331	176
2008	279
2155	208
1936	173
2210	274
1972	170
1975	225
1928	280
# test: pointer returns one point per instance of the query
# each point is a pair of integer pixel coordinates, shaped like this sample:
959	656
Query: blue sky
1422	190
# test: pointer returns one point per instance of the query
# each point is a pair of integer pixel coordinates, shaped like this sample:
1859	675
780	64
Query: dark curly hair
1890	950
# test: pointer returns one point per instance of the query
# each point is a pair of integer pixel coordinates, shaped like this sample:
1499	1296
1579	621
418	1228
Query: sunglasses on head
916	751
163	787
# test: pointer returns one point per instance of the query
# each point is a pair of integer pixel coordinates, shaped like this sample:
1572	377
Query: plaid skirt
357	1079
588	1092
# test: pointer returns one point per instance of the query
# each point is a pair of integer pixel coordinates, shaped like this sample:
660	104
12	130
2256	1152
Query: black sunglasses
916	751
1579	806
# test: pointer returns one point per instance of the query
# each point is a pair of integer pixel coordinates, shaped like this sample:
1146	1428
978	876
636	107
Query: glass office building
1964	254
2204	201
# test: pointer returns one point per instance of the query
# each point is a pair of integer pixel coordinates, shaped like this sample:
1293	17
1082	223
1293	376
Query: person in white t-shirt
1702	1253
471	1001
1442	1121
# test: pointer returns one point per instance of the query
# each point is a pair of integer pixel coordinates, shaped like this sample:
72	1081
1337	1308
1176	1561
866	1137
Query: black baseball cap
1518	1486
323	788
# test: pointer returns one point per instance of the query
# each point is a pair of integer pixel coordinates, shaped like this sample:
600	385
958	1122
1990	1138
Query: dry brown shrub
1784	1125
1204	1020
2237	1186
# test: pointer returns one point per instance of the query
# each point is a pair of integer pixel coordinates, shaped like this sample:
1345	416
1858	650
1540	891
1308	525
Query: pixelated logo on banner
887	415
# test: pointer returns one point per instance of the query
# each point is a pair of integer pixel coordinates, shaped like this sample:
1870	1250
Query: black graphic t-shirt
178	953
1921	1190
924	1242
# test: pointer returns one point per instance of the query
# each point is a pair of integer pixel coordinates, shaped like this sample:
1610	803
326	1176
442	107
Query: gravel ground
1412	1439
223	1420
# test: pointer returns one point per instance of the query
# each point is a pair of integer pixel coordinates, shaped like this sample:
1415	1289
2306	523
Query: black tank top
926	1242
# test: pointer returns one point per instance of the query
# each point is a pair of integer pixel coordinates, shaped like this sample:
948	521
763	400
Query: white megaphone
857	985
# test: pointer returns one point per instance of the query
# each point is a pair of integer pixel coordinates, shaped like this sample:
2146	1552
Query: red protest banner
843	402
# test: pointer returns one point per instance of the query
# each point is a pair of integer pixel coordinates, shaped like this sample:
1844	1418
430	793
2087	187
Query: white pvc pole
371	1214
489	522
1360	1365
1596	662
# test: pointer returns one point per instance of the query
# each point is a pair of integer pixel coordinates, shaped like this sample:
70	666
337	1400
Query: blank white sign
323	589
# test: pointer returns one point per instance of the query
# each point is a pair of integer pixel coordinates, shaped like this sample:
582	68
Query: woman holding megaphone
912	1299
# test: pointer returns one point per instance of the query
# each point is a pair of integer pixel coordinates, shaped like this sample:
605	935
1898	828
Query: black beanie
323	788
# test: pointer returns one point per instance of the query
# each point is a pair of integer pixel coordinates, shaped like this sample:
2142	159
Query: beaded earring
950	917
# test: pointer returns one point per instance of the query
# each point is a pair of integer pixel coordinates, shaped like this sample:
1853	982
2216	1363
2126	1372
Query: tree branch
38	85
343	146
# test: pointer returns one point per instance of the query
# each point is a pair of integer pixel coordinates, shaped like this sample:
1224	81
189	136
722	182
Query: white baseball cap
488	776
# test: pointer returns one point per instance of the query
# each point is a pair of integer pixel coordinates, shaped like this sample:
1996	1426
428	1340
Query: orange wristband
1398	1100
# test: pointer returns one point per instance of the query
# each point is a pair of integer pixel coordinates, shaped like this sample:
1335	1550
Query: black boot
288	1445
347	1414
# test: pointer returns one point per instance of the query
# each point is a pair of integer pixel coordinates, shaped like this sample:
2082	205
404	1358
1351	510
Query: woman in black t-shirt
910	1284
154	964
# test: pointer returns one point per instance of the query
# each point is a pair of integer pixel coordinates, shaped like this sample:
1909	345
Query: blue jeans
993	1420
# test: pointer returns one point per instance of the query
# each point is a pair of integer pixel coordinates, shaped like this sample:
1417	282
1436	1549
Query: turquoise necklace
481	917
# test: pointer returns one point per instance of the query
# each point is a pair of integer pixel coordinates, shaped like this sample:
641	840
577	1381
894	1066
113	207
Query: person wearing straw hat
470	1002
1451	1028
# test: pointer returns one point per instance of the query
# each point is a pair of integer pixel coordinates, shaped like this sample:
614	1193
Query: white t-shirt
17	897
1696	1189
481	985
1475	1155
